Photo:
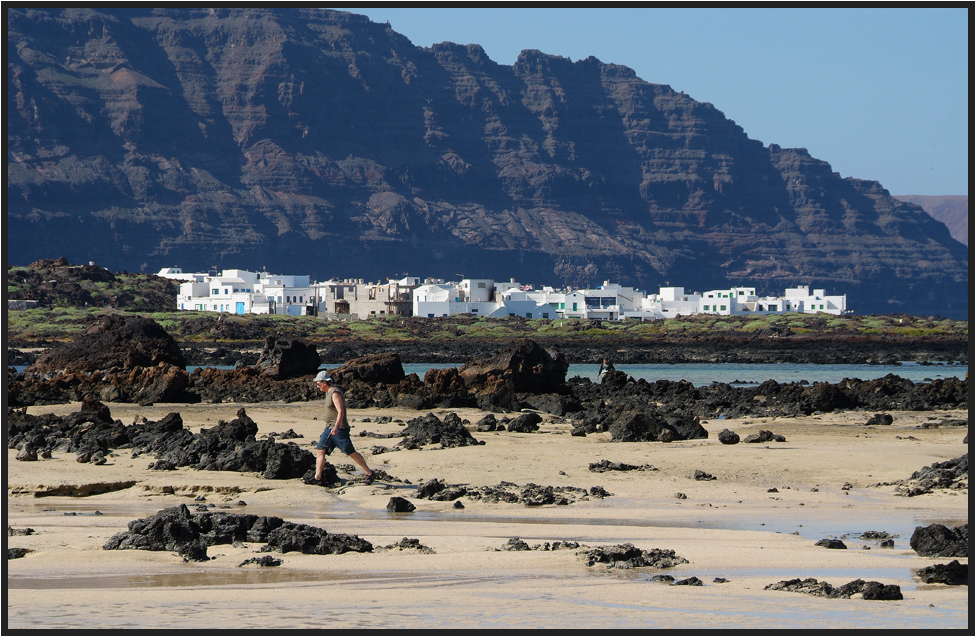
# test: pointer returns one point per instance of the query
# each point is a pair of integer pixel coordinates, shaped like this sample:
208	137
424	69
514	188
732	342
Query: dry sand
732	527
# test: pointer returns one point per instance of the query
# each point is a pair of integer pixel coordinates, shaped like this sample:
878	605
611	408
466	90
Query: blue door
240	307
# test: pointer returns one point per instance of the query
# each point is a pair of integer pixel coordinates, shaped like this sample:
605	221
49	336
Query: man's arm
340	406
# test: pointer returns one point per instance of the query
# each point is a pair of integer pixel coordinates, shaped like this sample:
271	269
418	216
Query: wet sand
733	527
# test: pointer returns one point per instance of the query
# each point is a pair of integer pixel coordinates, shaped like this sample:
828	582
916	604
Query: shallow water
484	601
756	373
814	524
264	576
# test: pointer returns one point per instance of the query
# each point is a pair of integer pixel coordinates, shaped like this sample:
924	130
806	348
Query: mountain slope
320	143
952	210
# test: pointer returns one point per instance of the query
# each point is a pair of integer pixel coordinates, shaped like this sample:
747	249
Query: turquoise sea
744	375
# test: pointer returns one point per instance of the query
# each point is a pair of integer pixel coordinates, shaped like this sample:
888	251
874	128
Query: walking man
336	433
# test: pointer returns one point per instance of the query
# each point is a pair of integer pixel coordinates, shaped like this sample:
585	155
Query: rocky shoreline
852	350
135	360
818	350
744	349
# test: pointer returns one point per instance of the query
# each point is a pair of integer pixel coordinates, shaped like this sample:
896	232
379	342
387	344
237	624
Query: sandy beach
755	524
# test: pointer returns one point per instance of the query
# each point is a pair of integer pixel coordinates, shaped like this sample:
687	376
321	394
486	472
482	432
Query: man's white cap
323	376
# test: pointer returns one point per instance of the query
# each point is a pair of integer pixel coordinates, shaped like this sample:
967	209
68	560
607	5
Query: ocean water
744	375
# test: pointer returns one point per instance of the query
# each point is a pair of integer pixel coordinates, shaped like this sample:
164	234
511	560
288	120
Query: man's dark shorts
341	440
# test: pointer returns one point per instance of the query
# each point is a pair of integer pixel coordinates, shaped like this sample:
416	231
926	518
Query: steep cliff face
952	210
318	142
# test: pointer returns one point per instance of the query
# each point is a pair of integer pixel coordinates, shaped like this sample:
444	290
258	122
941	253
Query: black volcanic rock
728	437
867	590
953	573
938	540
635	426
399	505
626	556
287	358
950	474
119	359
177	529
229	446
140	138
122	342
525	366
375	368
429	429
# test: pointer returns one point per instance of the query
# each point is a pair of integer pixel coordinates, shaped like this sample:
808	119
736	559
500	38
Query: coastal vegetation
70	298
44	326
55	283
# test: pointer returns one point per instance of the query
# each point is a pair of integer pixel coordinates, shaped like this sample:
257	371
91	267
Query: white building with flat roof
609	301
668	303
244	292
521	303
478	297
743	300
177	274
819	301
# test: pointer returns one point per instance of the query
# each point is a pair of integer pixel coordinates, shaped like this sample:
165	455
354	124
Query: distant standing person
605	366
336	435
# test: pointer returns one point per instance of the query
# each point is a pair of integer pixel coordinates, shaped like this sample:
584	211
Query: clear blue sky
878	93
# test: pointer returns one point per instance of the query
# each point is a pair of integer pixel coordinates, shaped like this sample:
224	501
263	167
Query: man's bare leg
319	463
358	459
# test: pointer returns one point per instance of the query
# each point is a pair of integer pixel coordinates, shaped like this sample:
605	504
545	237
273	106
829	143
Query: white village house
245	292
478	297
737	301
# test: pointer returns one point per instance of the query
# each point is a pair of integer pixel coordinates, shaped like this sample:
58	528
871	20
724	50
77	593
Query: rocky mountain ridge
318	142
952	210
